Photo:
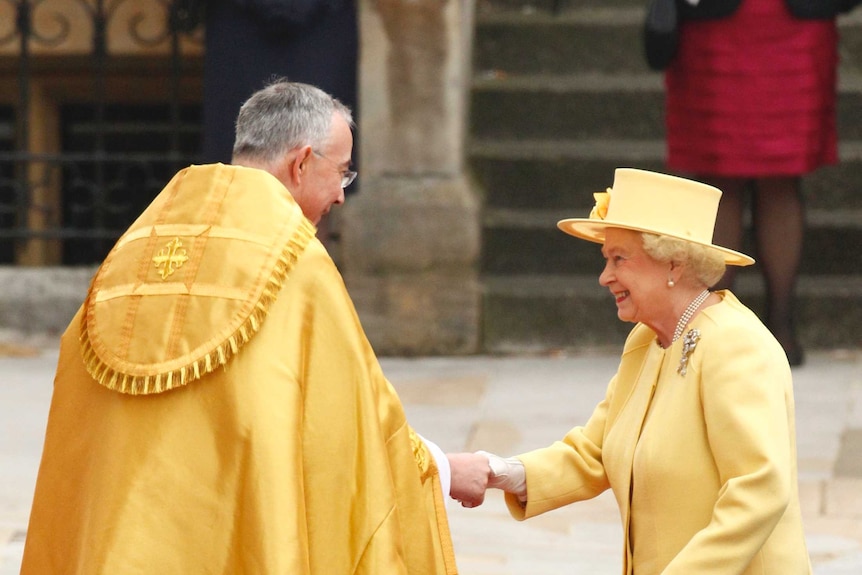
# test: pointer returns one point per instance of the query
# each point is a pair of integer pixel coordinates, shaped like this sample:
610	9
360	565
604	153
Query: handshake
473	473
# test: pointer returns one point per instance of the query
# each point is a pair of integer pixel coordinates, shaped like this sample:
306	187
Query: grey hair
703	263
283	116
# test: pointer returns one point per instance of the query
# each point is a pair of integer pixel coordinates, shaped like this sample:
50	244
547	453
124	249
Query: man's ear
299	162
291	167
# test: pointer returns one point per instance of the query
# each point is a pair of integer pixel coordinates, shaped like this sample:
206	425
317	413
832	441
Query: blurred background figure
250	42
751	108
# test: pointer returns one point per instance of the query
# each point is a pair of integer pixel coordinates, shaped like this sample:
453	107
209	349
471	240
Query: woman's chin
624	315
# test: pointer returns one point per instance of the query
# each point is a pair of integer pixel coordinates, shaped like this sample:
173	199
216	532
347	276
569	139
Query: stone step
569	312
595	106
608	41
605	39
547	174
561	95
523	242
498	7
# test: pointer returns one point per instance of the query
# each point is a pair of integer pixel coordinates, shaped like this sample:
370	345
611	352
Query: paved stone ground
508	405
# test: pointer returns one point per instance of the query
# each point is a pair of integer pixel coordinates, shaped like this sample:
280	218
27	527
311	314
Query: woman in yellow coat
696	433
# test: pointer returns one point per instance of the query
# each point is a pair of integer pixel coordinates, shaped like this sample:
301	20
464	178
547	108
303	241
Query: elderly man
217	407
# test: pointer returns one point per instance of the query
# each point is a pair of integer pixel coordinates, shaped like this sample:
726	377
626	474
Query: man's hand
470	474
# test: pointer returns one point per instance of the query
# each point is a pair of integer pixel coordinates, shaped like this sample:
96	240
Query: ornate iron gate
111	155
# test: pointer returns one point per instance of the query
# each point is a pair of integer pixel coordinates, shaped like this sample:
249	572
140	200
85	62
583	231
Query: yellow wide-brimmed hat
655	203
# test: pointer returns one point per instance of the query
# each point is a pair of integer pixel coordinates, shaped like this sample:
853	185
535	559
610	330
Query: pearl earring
670	283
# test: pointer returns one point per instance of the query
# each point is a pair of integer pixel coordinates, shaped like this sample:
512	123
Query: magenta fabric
753	94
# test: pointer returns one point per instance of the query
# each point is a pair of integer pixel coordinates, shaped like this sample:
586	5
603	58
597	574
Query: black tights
778	218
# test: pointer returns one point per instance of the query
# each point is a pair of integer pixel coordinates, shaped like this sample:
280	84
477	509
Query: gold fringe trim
221	355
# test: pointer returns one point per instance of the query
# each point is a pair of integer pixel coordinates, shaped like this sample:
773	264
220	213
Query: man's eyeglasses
347	176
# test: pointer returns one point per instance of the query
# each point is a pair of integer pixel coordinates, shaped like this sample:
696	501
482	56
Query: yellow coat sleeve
568	470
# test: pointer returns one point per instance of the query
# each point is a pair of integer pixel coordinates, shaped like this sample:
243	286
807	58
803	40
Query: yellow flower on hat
600	210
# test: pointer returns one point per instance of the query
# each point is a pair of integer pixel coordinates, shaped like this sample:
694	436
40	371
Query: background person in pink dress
751	106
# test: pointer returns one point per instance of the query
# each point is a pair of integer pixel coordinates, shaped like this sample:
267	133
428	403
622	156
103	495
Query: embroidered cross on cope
170	258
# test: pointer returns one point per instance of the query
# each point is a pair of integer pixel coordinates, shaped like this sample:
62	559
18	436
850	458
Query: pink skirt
753	94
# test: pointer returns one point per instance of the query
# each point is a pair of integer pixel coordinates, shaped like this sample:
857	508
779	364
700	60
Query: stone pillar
411	236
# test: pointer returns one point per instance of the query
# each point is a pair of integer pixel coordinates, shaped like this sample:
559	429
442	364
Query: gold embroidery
420	455
170	258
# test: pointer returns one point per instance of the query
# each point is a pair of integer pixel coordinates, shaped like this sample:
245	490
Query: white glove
507	474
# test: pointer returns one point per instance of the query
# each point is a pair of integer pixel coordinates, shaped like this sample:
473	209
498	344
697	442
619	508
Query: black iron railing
113	155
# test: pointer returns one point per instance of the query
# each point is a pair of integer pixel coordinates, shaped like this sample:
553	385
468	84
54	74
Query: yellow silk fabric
293	457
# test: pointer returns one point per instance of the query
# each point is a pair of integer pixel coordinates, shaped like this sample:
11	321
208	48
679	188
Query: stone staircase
561	96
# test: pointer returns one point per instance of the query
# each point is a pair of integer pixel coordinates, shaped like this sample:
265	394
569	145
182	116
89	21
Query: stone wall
411	236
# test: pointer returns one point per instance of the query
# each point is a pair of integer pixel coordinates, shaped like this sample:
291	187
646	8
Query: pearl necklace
686	315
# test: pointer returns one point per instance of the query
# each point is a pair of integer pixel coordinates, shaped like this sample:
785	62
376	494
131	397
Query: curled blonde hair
702	263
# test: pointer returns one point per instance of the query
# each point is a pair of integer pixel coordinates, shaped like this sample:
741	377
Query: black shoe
795	354
785	333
